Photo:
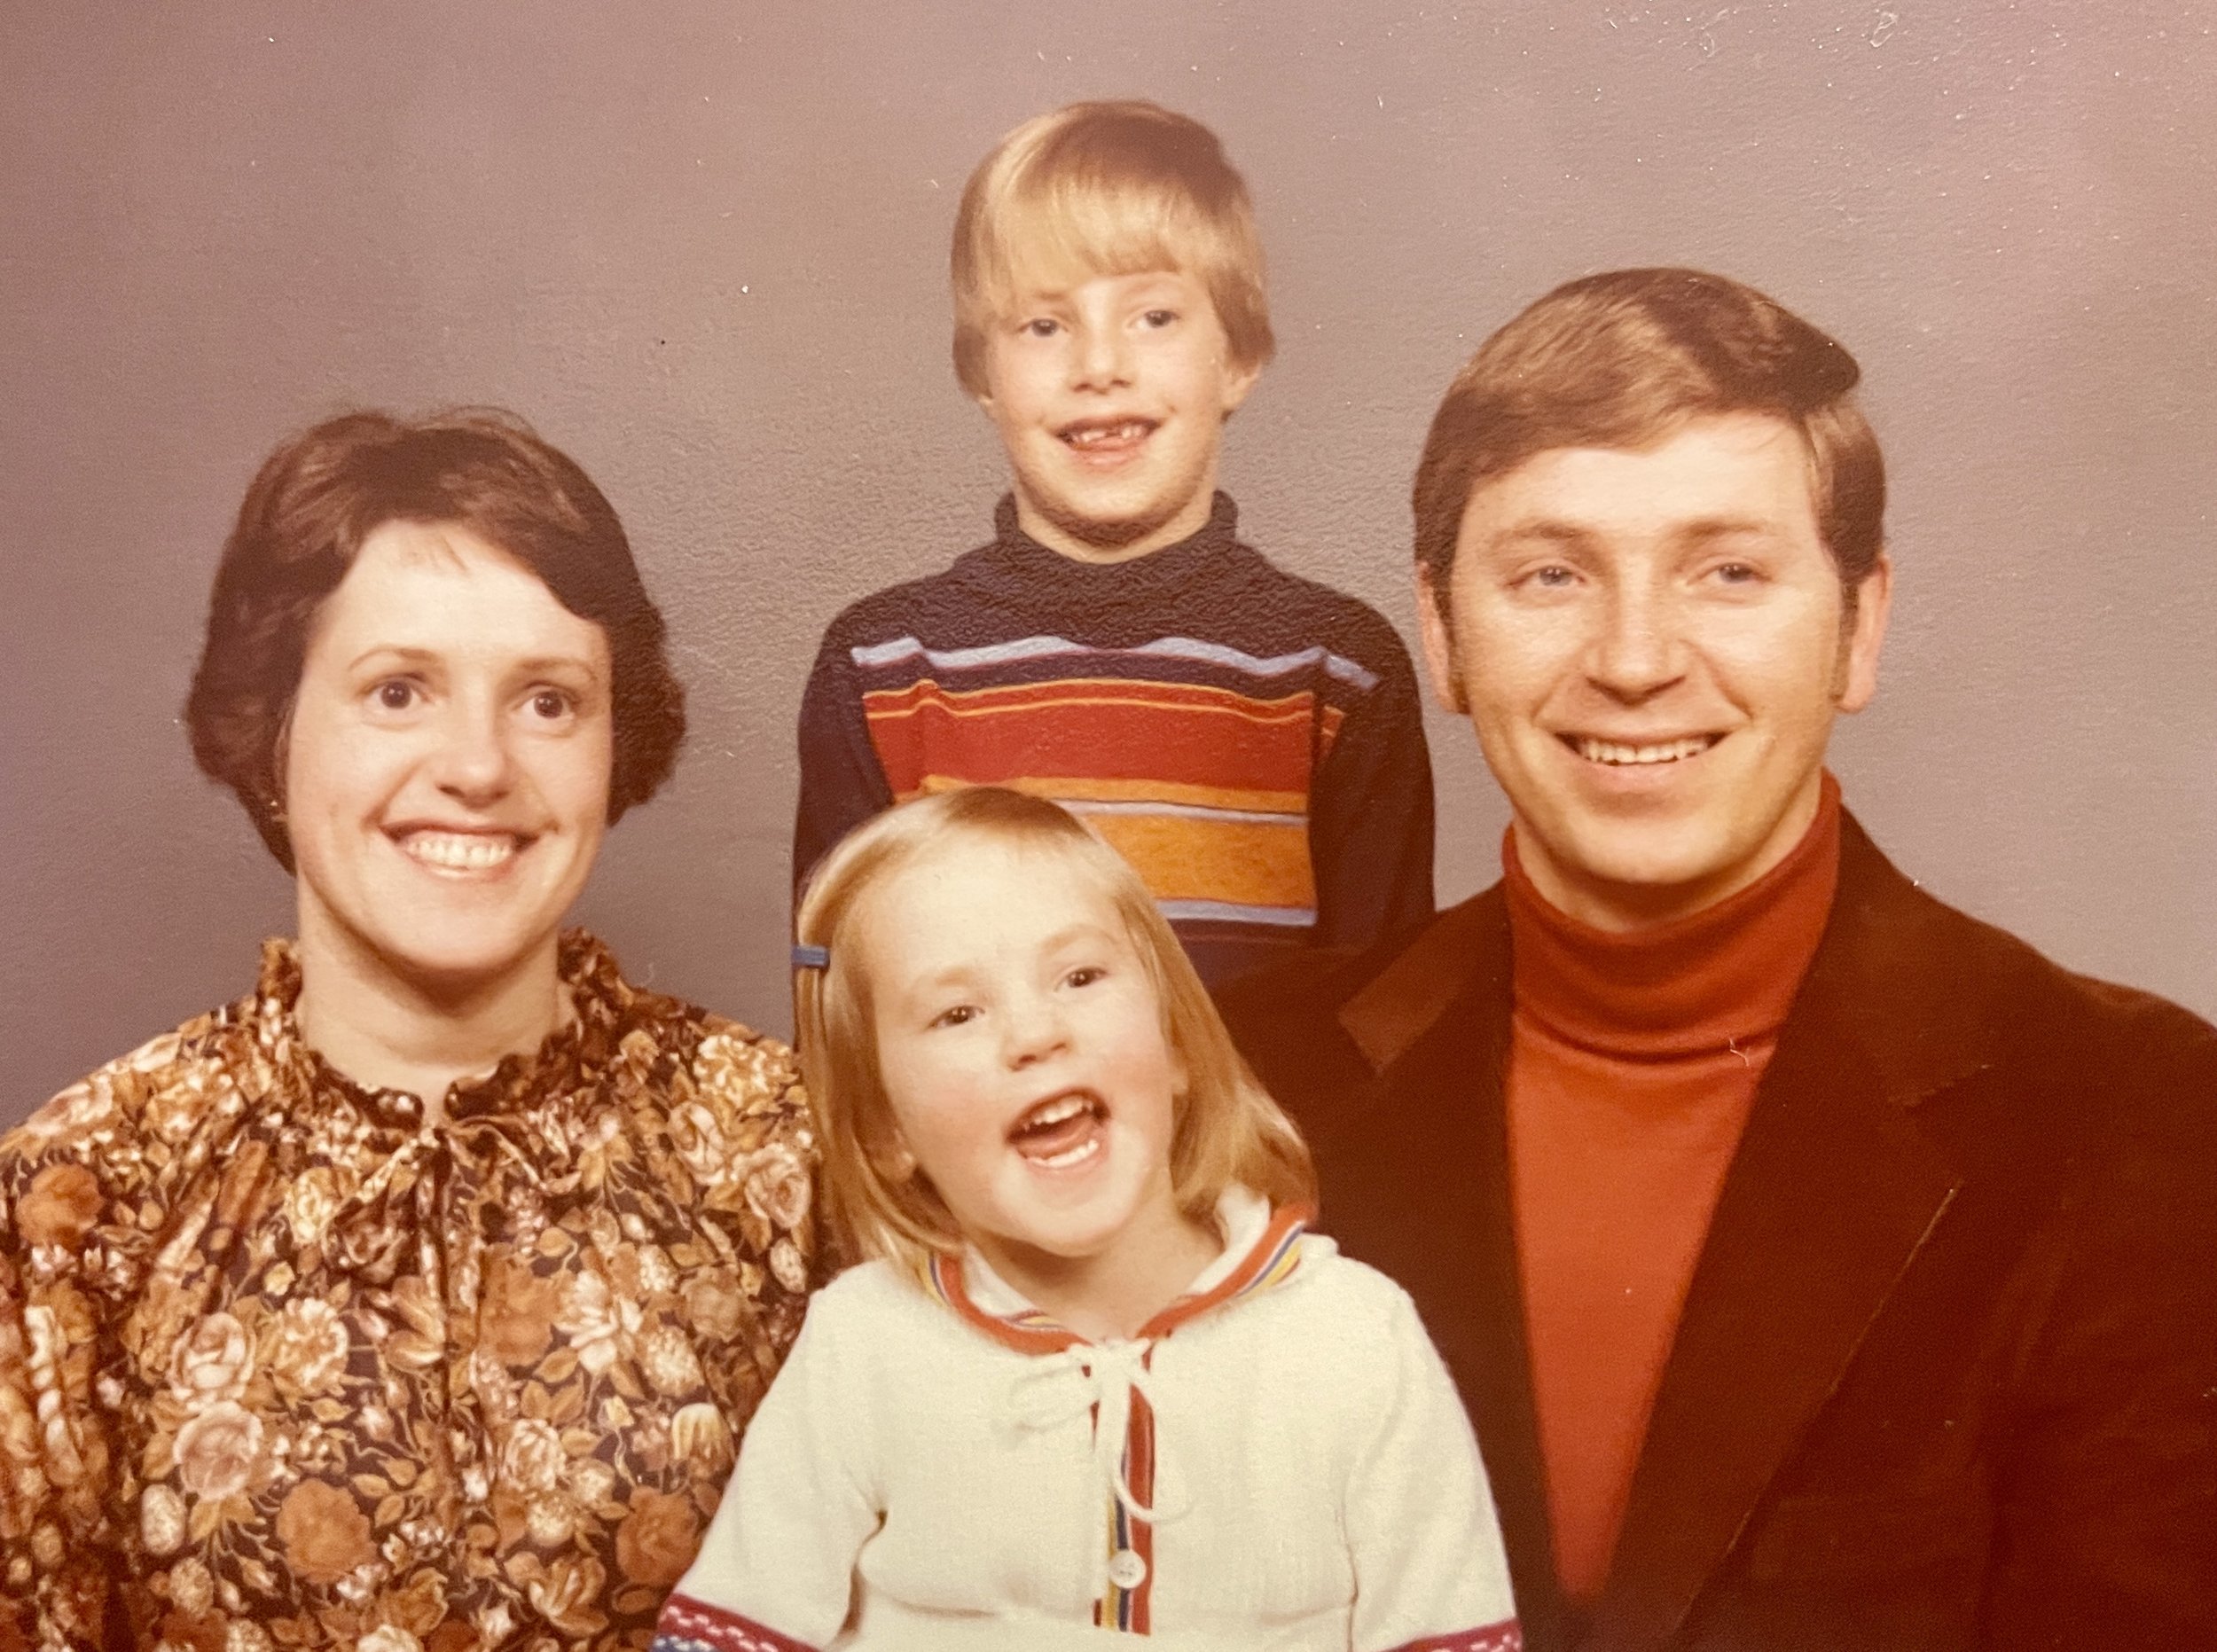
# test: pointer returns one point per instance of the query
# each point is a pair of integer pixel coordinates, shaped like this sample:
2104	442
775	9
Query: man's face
1652	645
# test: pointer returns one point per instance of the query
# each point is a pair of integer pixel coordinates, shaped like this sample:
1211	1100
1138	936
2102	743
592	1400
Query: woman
416	1300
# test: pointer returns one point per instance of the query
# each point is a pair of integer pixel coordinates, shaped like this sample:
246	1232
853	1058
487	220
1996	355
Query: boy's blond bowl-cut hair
1226	1128
1100	188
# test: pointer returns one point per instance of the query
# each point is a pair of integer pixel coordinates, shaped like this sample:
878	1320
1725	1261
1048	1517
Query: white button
1126	1570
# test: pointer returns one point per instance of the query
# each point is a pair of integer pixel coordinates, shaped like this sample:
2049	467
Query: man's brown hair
1095	188
1621	360
305	517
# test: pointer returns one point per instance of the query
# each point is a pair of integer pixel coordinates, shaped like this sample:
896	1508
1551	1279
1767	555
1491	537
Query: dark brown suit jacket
1946	1376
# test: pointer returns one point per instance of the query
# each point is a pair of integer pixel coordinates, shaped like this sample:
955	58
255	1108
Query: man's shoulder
1898	942
1326	1017
2013	1046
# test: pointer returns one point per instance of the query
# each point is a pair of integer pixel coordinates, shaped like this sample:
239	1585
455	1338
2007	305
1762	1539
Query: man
1821	1268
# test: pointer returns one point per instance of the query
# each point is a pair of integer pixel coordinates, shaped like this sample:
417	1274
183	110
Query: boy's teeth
1669	751
1093	436
460	851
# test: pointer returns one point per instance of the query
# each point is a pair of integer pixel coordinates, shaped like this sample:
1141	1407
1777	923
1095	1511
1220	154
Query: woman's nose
472	763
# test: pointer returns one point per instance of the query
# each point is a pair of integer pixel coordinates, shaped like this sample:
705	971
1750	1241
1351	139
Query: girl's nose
1034	1029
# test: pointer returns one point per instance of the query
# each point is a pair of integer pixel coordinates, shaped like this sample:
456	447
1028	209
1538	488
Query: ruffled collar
567	1064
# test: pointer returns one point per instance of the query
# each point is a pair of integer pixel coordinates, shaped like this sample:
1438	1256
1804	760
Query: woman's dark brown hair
322	493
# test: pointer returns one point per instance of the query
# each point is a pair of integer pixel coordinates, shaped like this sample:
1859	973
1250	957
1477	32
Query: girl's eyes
552	703
960	1015
1159	317
395	693
1041	327
1085	975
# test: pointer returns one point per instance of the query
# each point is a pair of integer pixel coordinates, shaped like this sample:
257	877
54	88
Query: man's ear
1439	643
1862	638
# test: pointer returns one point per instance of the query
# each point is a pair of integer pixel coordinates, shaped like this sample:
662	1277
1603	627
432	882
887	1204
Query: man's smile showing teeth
1060	1131
1617	755
461	851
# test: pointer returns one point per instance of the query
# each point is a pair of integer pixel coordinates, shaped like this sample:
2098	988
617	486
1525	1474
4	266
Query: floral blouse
282	1366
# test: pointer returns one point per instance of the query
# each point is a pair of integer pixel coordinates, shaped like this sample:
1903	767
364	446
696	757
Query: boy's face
1110	397
1652	645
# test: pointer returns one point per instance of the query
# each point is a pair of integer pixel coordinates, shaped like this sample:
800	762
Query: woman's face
446	773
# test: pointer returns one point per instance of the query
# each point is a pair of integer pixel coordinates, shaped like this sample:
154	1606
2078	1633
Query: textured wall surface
702	247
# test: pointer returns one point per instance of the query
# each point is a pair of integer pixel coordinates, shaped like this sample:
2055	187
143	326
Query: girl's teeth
1055	1113
1085	1149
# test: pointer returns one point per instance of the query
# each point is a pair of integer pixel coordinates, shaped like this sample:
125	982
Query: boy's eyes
957	1015
1159	317
1040	328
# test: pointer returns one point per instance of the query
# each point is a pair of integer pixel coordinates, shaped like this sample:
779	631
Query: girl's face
1022	1047
447	774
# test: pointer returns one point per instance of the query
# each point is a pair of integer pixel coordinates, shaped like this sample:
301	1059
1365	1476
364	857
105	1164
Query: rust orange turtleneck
1634	1060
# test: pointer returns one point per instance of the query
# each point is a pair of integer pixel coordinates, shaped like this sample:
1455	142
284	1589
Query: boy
1251	741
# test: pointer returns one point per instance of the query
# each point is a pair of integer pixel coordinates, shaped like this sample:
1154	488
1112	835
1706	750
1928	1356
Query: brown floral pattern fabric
281	1366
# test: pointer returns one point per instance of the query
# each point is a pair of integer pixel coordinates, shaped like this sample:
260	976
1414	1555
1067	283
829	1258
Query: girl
1097	1378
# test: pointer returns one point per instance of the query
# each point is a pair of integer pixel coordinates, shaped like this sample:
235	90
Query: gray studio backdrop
702	245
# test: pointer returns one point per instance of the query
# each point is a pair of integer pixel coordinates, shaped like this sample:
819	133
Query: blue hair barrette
807	957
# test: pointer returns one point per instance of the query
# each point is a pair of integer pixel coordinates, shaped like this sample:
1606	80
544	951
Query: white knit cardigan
1285	1466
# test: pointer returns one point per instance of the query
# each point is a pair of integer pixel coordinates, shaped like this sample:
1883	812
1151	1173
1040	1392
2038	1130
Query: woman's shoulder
167	1087
91	1157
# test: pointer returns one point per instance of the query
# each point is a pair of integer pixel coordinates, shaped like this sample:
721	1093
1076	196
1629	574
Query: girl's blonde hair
1226	1128
1093	189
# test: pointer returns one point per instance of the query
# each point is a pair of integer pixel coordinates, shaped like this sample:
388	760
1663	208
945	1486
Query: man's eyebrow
1545	529
1727	527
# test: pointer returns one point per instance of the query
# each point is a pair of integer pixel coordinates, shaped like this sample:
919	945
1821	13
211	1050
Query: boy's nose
1101	359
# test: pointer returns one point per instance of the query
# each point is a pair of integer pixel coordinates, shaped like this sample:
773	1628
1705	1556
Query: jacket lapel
1418	1188
1831	1196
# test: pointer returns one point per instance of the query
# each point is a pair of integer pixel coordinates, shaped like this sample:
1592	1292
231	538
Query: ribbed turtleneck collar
1015	555
1724	975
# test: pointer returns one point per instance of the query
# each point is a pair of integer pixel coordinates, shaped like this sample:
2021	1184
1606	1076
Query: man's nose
1636	651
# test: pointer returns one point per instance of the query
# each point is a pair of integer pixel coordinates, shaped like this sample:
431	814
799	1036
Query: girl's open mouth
1062	1131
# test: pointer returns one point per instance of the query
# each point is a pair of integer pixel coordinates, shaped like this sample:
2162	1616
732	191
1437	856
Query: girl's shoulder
1355	1295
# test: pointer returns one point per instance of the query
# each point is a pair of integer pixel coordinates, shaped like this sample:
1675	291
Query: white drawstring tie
1109	1374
